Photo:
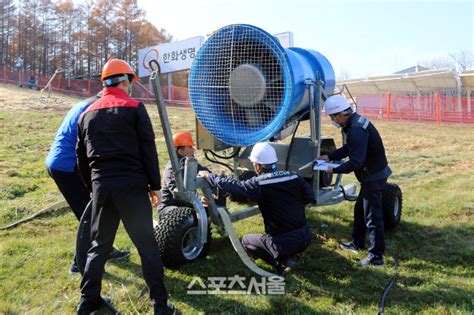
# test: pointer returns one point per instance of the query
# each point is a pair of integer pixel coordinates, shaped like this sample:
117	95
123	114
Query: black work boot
74	268
350	246
118	254
370	260
286	267
90	307
168	309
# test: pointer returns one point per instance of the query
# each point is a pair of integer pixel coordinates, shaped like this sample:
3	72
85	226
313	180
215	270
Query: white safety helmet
336	104
263	153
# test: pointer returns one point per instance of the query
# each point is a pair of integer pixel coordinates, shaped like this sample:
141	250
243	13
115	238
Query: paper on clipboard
323	165
319	165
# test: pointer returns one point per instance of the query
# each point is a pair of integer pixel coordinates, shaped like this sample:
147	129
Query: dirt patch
459	167
419	145
465	214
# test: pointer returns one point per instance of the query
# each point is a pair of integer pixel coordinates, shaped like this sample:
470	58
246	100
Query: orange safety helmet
117	66
183	139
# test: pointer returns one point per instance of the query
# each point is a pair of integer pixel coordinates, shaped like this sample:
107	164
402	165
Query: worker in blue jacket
61	164
367	160
281	197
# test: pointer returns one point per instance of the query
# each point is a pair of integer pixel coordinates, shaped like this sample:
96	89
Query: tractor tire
391	205
176	235
325	179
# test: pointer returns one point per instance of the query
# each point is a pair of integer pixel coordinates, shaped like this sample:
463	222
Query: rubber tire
390	196
325	179
169	234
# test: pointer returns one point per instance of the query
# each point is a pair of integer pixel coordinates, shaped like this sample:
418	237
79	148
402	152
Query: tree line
44	35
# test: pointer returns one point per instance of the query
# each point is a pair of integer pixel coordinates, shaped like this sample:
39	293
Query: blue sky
358	37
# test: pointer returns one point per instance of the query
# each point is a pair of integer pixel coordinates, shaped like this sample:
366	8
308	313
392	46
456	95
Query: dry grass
434	243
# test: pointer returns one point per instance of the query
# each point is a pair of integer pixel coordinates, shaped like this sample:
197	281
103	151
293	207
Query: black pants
112	202
273	249
368	216
73	189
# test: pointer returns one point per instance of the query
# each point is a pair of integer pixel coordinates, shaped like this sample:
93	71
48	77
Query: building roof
467	79
416	68
428	80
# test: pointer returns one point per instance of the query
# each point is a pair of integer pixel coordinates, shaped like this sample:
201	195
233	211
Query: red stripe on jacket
113	97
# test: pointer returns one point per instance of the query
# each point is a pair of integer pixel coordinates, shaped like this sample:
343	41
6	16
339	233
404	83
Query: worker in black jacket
281	197
183	142
367	160
117	160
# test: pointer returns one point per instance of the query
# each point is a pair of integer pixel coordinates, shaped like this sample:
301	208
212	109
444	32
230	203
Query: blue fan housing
244	85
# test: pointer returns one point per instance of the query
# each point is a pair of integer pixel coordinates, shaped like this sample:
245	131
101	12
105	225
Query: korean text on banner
172	57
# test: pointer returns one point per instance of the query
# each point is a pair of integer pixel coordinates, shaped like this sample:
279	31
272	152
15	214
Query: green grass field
434	244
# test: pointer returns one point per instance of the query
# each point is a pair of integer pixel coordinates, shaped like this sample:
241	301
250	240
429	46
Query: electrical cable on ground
388	287
54	206
343	193
392	280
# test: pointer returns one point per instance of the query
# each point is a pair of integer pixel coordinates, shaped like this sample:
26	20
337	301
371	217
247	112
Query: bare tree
439	63
7	29
126	27
456	61
343	74
51	34
464	59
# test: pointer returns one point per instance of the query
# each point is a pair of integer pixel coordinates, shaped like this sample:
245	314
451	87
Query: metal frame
188	183
186	187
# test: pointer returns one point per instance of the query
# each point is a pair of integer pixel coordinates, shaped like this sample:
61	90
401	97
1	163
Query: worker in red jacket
118	162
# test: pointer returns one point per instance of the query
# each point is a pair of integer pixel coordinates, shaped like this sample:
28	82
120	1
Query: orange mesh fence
433	108
86	88
177	96
430	108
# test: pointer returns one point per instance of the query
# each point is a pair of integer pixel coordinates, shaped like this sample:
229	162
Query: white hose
238	246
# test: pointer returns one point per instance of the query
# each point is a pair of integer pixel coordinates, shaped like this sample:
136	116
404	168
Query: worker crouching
281	197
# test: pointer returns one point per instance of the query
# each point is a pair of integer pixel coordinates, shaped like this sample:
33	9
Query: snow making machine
246	88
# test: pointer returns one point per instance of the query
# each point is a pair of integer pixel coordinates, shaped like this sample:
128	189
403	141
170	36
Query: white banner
172	57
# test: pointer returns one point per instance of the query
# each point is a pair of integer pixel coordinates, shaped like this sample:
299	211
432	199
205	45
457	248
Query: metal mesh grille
238	85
